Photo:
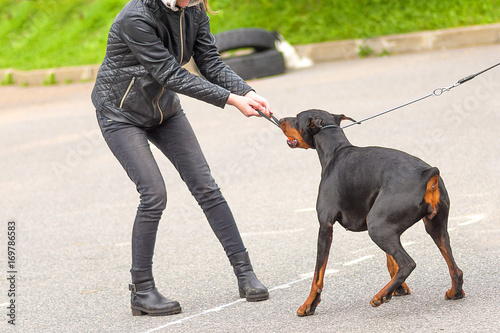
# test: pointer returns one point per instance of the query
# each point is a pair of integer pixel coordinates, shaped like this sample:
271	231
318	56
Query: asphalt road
73	207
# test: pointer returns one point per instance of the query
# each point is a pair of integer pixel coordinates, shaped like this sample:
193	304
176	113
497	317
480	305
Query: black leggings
176	139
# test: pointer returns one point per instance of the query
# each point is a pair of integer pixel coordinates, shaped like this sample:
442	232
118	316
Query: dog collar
328	126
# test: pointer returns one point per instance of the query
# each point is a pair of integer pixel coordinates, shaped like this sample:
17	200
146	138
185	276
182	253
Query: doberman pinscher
382	190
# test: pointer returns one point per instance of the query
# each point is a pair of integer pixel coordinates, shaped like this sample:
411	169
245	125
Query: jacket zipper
182	36
158	104
182	58
127	91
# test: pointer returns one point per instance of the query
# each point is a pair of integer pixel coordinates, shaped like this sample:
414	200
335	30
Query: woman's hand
249	103
261	100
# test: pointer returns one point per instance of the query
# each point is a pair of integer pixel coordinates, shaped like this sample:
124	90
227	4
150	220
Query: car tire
258	39
257	65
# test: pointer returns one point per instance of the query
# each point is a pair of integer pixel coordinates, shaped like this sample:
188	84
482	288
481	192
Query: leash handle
272	119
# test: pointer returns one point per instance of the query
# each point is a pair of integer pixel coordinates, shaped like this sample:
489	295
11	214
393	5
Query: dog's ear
340	117
316	122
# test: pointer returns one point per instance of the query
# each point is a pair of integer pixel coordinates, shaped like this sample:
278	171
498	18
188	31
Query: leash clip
440	91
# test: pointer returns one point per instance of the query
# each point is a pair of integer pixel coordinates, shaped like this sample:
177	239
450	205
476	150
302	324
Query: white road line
283	286
376	247
303	210
194	316
288	285
473	219
311	274
306	276
221	307
272	232
475	195
365	248
465	217
355	261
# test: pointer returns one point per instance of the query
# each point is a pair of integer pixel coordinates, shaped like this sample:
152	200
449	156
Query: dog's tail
432	195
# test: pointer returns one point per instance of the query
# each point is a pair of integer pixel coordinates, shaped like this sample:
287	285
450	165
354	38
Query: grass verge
56	33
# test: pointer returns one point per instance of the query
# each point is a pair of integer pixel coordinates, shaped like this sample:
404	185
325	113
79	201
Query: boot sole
254	298
144	312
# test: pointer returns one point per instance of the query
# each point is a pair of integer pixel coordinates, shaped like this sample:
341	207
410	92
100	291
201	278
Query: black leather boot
145	299
249	286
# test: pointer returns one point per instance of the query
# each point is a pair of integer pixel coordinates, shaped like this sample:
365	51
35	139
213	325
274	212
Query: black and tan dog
384	191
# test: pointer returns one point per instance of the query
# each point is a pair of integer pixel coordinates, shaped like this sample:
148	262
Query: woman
136	100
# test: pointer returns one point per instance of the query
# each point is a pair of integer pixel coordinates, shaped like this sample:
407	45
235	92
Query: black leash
435	92
273	119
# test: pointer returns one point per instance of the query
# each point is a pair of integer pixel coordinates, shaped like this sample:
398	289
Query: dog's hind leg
392	266
324	244
436	226
388	240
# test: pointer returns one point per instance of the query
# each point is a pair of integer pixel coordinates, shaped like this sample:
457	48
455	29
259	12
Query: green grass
325	20
53	33
7	79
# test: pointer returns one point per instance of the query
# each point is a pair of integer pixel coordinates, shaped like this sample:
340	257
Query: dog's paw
305	310
401	291
453	295
379	301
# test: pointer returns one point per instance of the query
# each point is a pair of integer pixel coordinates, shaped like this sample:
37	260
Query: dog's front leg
324	244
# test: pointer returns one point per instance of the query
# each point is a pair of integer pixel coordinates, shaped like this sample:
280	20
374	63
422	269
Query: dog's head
301	130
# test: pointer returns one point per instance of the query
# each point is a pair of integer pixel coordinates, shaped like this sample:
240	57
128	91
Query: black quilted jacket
141	73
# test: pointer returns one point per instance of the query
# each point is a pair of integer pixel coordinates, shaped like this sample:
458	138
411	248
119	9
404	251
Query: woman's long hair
207	7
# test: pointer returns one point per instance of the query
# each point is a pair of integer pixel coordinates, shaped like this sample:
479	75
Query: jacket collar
191	4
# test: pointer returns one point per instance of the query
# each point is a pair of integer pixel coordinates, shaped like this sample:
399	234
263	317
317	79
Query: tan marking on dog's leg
316	289
324	243
379	298
456	274
393	267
